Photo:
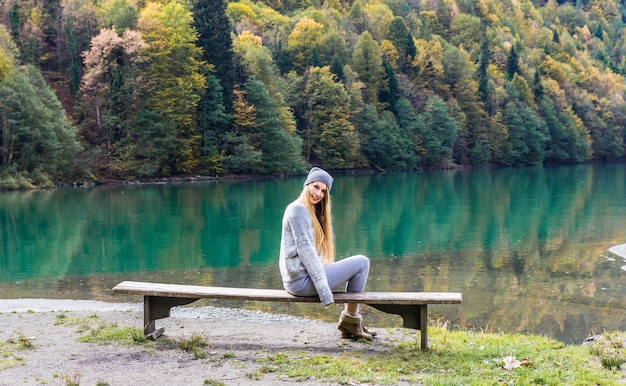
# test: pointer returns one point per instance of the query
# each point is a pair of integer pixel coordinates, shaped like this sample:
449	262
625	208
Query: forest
109	90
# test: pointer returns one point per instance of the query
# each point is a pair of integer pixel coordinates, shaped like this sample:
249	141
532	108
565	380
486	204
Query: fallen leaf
510	363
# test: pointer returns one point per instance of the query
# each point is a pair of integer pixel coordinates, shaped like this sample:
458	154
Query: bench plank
159	298
186	291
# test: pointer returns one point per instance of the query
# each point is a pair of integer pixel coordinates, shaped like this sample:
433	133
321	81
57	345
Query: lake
527	247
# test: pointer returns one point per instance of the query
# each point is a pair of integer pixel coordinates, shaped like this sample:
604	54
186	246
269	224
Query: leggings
351	273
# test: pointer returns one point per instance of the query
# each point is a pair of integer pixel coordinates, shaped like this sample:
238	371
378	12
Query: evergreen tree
152	148
35	136
527	131
214	29
213	123
329	136
280	150
383	142
564	145
512	63
481	73
409	122
398	33
238	153
437	132
389	94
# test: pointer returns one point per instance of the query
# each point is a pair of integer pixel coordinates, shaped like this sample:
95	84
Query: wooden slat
193	291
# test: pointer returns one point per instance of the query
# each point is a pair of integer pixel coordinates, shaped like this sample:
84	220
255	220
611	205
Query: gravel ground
236	340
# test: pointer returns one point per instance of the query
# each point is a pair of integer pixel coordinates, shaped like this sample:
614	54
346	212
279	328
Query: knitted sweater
298	256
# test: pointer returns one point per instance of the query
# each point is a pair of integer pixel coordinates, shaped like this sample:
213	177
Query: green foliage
368	64
526	142
280	150
383	143
213	123
329	135
36	138
512	63
122	14
152	148
214	36
437	132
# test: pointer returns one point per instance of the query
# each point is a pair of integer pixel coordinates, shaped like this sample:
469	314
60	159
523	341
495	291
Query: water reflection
527	247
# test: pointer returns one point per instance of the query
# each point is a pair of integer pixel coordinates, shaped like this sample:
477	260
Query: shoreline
32	305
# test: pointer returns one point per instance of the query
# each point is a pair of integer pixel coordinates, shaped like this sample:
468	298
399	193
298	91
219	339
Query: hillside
172	87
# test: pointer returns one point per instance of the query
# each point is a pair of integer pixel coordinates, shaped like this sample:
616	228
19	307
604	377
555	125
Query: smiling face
316	191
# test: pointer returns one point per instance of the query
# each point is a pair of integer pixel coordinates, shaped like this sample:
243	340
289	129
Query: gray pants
349	274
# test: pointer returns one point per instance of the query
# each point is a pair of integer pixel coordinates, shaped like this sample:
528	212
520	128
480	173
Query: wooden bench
158	299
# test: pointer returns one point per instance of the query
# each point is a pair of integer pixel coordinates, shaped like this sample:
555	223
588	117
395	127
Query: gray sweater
298	256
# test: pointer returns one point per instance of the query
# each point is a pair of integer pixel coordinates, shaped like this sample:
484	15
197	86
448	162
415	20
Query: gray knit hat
317	174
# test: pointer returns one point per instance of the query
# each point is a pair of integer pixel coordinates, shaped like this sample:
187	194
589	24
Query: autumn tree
367	62
273	131
304	41
238	151
80	24
175	74
110	82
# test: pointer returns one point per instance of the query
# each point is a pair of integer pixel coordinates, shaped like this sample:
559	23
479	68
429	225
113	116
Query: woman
307	254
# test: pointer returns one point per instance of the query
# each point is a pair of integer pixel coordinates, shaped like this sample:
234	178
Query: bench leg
157	307
414	316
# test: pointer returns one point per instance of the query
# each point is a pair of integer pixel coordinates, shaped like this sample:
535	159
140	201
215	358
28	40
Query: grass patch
11	349
99	332
83	324
212	382
610	347
461	357
194	344
112	333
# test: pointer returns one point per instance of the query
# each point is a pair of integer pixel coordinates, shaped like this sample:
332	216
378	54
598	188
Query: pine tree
214	31
512	63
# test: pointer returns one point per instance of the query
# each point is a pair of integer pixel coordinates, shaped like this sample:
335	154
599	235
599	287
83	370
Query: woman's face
317	191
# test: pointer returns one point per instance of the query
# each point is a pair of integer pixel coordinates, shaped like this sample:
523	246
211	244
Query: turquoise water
527	247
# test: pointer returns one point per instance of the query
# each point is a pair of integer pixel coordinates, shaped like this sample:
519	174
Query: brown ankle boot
353	326
347	335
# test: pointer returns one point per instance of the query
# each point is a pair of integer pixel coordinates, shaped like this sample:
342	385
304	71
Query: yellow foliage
35	16
431	53
390	53
5	66
551	68
306	33
247	38
380	14
238	11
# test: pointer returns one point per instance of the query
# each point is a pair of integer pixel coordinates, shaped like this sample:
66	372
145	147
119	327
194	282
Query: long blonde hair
321	220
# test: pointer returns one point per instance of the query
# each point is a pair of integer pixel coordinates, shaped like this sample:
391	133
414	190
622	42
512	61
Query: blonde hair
321	220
